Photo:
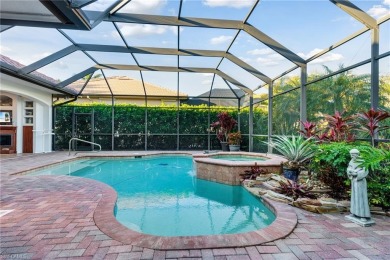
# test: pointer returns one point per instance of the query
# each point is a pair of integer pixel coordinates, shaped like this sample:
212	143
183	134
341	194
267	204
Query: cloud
310	54
228	3
61	65
206	82
41	55
220	39
206	74
263	51
5	49
324	58
275	57
247	60
378	11
267	61
386	2
144	6
140	30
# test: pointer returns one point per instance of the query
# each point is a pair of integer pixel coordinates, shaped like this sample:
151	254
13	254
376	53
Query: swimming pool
162	196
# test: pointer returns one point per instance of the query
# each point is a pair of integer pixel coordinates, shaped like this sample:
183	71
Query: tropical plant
234	138
309	129
296	149
253	172
339	127
370	122
344	91
295	190
223	126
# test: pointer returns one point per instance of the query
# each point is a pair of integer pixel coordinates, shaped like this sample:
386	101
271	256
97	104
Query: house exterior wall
21	91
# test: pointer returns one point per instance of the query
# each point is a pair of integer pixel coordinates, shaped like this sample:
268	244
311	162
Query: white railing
84	141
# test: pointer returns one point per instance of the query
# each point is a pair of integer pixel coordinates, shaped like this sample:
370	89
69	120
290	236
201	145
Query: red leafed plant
309	129
295	190
223	126
253	172
369	122
339	127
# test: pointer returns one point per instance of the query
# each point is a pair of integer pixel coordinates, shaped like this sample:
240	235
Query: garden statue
360	211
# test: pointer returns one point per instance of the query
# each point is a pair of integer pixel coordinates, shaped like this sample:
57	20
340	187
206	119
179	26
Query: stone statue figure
359	200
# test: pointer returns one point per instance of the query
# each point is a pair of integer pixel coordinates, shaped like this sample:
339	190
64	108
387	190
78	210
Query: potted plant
223	126
234	140
297	150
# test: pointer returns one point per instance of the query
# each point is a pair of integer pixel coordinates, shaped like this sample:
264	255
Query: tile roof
121	85
14	64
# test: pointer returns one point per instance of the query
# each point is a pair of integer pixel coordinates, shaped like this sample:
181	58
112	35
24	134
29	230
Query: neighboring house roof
121	85
222	93
8	62
219	97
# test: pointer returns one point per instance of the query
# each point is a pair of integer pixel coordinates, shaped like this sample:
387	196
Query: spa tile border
283	225
272	159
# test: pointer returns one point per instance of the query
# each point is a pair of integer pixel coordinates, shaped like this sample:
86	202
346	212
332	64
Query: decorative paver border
283	225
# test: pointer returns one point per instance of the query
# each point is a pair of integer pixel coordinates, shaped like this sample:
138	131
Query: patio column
270	100
251	122
303	103
374	68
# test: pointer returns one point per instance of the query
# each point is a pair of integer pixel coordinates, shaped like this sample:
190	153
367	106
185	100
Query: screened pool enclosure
153	75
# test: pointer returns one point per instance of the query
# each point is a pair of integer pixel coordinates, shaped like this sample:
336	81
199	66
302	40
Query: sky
304	27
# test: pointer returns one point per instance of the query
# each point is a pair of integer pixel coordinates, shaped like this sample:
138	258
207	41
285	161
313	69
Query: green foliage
331	161
129	122
296	149
330	164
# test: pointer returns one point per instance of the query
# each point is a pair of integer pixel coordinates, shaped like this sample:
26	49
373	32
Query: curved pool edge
284	223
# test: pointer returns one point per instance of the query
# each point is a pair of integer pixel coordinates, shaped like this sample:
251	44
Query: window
28	112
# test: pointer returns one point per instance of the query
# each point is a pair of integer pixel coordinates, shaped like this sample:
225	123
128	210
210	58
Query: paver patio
52	217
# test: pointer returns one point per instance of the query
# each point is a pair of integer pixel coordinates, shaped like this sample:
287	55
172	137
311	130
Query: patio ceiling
233	41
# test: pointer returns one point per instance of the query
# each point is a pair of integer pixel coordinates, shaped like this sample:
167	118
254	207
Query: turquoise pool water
162	196
238	158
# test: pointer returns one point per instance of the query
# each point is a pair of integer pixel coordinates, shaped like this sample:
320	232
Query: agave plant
296	149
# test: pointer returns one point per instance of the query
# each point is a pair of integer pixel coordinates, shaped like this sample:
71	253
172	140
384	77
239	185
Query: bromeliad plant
254	172
295	190
296	150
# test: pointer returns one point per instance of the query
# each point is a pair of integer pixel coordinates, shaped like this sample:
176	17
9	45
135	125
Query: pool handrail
81	140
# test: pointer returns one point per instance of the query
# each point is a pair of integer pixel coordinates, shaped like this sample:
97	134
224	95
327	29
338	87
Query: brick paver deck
53	217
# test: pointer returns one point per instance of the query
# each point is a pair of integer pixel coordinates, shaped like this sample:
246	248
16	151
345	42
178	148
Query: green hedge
93	122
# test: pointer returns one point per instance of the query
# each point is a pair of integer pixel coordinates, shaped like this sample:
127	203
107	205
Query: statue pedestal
359	221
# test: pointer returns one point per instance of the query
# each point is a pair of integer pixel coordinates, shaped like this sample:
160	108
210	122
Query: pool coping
272	159
97	155
284	223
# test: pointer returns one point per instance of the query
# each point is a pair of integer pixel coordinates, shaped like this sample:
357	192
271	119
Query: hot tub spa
226	167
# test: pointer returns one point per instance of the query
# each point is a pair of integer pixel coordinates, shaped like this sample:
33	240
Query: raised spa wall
228	172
